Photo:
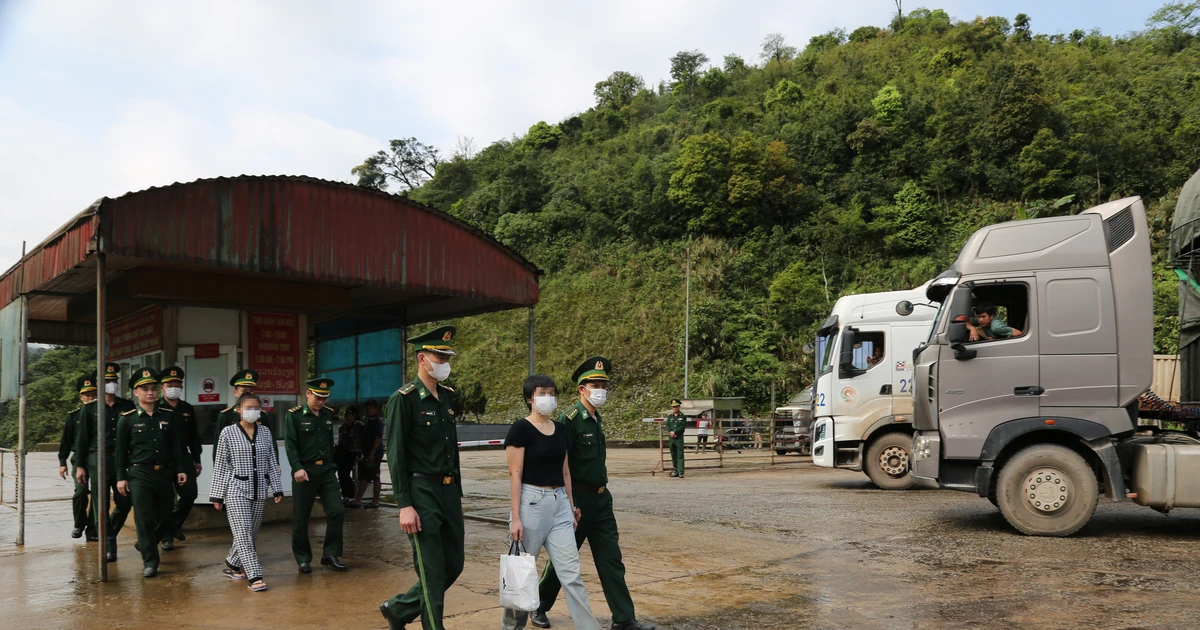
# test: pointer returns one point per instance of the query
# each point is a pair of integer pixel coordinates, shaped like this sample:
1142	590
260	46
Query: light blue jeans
547	520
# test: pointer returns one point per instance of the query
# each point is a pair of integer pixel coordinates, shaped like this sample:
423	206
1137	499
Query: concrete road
793	546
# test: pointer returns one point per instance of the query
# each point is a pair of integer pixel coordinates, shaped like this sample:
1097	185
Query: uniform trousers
598	526
547	521
440	542
81	509
245	518
187	494
322	480
121	504
676	444
152	498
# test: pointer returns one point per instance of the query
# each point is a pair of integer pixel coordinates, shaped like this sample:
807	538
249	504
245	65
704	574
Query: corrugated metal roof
298	229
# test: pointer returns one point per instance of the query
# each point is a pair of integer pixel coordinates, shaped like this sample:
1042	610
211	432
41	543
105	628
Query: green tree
618	89
700	181
50	394
1175	24
775	49
685	69
407	163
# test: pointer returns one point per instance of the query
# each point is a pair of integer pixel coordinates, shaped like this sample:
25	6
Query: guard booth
254	272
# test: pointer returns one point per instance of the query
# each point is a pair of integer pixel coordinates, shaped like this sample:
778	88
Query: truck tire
1047	490
887	461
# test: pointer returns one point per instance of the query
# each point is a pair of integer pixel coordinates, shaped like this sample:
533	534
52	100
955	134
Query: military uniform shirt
70	434
676	422
588	456
85	442
148	439
307	436
421	437
185	427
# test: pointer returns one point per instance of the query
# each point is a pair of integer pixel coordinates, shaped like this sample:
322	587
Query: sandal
257	585
234	575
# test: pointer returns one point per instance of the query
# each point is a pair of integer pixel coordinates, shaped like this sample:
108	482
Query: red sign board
275	352
207	350
135	335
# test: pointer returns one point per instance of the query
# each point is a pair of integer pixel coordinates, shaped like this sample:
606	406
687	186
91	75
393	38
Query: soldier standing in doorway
87	443
243	382
83	517
676	424
185	427
422	455
308	438
150	462
587	459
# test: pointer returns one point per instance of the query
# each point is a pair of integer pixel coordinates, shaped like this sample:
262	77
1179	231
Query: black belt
587	489
445	479
315	462
247	478
152	466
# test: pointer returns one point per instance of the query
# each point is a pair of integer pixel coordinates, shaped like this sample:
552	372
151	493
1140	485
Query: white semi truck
863	396
1042	417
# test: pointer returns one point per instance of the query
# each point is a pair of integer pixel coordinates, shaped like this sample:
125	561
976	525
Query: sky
100	97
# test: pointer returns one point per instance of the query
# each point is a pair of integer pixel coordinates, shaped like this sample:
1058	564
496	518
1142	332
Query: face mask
173	392
251	415
545	404
597	397
110	388
439	371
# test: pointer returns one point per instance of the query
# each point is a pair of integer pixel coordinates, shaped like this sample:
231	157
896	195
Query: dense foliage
859	163
51	395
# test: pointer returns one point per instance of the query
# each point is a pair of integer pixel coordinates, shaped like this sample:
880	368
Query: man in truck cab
990	327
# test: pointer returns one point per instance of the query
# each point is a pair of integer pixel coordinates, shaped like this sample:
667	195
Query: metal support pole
531	341
403	354
22	361
687	316
101	481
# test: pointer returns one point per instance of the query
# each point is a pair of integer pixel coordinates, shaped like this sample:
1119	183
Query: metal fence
738	443
9	478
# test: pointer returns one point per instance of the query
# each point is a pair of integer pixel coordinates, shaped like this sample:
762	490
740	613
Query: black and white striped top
244	467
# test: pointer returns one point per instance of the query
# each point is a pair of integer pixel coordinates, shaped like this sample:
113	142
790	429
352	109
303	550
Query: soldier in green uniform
422	455
184	423
676	424
150	461
308	438
86	442
587	460
86	385
243	382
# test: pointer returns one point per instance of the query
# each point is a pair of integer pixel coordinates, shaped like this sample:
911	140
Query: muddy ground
782	547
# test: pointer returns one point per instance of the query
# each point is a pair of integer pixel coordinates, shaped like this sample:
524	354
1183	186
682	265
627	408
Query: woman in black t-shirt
543	510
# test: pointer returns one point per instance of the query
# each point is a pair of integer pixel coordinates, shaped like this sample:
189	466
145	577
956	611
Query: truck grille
931	391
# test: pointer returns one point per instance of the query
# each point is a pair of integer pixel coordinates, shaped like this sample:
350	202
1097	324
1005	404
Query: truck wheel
781	451
1047	490
887	461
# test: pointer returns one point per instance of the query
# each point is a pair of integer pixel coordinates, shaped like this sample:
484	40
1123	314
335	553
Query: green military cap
144	376
436	341
592	369
112	371
245	378
675	402
85	384
320	386
173	373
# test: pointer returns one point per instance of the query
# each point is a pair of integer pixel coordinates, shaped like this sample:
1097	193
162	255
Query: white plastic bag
519	580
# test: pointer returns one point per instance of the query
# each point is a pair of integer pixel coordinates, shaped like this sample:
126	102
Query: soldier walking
308	438
422	455
82	513
88	443
185	427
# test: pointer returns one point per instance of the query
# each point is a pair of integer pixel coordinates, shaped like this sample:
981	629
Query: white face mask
597	397
545	404
439	371
110	388
173	392
251	415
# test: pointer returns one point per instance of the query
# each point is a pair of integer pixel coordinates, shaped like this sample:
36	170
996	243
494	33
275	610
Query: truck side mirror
957	333
904	308
962	353
846	367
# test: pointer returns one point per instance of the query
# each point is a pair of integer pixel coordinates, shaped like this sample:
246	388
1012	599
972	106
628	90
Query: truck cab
863	396
1038	413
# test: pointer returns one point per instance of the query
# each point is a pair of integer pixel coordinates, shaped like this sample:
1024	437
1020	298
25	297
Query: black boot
539	619
333	563
394	622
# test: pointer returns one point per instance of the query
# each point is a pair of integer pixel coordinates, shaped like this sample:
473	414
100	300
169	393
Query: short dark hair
245	397
350	410
534	382
985	308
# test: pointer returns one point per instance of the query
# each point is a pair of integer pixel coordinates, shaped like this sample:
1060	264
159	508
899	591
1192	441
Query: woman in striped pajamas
245	473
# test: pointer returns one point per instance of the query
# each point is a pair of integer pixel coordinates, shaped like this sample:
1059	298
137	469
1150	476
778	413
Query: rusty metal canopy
350	257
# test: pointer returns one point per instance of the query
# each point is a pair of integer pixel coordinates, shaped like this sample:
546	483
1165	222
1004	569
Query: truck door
986	382
863	393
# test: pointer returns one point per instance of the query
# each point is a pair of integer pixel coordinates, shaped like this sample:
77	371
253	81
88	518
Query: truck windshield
937	320
824	352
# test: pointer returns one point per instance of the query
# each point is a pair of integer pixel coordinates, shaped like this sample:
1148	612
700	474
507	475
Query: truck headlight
920	448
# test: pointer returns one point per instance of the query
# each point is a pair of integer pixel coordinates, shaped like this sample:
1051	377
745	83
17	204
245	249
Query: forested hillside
859	162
